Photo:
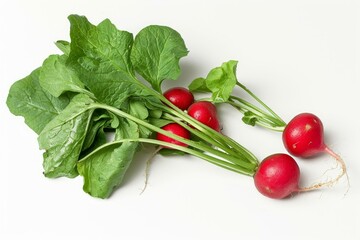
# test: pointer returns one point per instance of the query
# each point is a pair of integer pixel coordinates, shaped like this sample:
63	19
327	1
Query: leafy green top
61	100
74	99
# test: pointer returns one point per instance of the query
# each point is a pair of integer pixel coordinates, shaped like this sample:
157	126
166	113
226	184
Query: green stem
208	158
245	164
237	159
261	102
226	142
200	134
244	105
263	119
230	166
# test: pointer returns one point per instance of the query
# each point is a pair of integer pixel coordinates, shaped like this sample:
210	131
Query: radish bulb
303	137
277	176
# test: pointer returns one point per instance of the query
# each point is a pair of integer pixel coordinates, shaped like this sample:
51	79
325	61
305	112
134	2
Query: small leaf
199	85
222	80
249	118
127	129
138	109
96	125
156	54
115	122
155	113
100	138
64	46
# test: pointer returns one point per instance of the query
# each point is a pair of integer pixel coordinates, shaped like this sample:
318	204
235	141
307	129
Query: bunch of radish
111	82
278	175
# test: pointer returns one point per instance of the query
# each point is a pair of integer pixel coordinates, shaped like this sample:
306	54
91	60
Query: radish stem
212	155
261	102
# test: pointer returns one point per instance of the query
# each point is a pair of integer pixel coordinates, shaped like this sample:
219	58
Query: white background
296	55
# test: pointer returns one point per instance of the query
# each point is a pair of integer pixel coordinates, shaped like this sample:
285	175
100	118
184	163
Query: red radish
180	97
303	136
175	129
277	176
205	112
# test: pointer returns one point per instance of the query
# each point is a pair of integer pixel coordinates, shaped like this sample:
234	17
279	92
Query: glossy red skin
278	176
180	97
303	136
205	112
175	129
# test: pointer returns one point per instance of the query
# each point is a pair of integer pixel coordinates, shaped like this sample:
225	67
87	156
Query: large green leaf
104	168
101	54
57	78
27	98
63	137
156	54
101	48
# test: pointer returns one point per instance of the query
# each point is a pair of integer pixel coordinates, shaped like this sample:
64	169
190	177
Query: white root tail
147	168
332	181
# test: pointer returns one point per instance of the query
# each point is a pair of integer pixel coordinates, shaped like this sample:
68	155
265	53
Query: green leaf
92	133
249	118
156	54
101	48
171	152
159	122
101	55
27	98
222	80
57	78
97	124
100	139
63	137
64	46
104	169
199	85
138	109
127	129
114	123
155	113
